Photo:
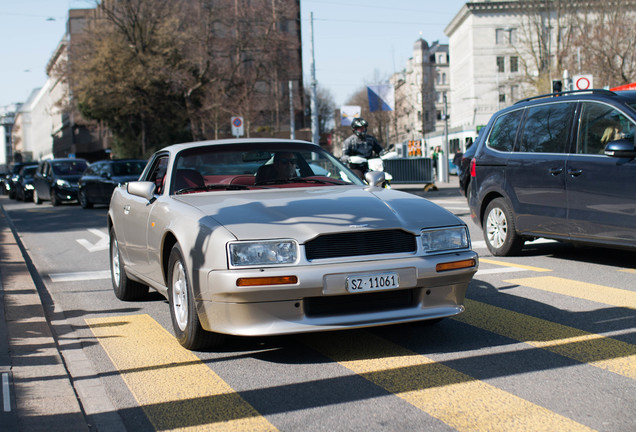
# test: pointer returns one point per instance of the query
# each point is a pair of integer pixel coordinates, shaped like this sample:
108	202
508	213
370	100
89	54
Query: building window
502	95
439	115
500	64
443	78
505	36
441	59
438	78
514	64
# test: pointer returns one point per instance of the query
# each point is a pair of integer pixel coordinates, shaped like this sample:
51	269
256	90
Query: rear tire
183	311
499	229
125	289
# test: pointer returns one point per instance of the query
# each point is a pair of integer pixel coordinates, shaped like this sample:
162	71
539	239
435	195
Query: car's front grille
360	243
359	303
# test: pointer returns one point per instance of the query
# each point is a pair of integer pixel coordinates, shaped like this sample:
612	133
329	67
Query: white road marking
6	395
79	276
102	243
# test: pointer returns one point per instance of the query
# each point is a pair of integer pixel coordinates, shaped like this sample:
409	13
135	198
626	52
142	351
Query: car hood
304	213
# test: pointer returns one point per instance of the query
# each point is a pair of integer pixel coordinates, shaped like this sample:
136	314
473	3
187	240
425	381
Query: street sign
237	126
583	82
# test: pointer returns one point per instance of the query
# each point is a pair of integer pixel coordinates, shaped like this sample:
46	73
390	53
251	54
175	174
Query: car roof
627	96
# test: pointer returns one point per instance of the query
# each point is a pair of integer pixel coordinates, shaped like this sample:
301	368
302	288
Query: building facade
420	90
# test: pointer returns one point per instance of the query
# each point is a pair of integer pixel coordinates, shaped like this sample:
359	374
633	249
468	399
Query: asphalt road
547	343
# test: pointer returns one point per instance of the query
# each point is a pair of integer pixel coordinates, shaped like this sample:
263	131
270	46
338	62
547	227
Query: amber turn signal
455	265
275	280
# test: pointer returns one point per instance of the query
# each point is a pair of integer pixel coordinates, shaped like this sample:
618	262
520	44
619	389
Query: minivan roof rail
593	91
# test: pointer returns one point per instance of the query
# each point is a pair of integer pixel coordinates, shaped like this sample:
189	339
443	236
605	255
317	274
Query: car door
135	219
88	181
601	195
535	172
43	185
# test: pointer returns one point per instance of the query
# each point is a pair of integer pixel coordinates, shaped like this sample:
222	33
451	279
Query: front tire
54	201
499	229
125	289
83	199
185	320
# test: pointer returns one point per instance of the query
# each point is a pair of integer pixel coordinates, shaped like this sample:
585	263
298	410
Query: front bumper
319	300
65	194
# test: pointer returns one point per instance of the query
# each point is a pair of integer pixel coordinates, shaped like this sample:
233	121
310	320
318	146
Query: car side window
547	128
599	125
504	131
157	173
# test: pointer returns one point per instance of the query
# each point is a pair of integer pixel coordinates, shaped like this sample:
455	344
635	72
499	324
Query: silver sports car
267	237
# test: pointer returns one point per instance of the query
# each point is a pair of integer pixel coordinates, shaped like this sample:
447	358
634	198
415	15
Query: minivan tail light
472	168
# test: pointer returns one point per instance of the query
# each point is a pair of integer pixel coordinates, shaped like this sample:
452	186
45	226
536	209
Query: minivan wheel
499	229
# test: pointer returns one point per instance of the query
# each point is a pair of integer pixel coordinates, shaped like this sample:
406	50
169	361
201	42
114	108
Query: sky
356	42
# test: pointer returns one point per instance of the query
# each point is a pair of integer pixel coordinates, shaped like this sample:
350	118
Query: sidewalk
37	392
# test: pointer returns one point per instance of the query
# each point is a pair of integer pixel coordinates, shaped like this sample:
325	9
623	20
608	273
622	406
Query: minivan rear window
504	131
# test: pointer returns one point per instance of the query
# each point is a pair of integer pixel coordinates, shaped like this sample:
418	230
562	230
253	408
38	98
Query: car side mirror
375	178
143	189
622	148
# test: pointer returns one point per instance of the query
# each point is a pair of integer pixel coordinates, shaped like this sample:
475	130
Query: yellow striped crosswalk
582	290
178	391
453	397
171	384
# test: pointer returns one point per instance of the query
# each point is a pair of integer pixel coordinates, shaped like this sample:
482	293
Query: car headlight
445	239
63	183
29	186
259	253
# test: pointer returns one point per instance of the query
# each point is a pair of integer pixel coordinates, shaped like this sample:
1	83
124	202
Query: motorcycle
361	166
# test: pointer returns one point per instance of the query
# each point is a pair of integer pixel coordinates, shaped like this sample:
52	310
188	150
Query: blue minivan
559	166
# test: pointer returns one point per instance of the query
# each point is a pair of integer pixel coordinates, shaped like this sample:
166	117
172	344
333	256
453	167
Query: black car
465	169
100	179
24	183
559	166
11	178
56	180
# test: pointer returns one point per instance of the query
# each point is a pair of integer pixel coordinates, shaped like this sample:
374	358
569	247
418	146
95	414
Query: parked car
466	170
56	180
559	166
267	237
100	179
24	183
12	177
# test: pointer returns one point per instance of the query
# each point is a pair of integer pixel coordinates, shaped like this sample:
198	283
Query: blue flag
381	97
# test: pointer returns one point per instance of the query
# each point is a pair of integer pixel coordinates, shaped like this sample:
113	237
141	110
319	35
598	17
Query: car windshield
29	171
260	165
128	168
71	167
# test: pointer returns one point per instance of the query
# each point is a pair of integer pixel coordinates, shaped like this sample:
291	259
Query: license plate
372	282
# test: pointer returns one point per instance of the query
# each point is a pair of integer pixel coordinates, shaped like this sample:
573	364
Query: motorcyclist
360	144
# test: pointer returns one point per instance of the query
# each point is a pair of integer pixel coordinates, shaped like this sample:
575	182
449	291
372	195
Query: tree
160	71
584	36
325	105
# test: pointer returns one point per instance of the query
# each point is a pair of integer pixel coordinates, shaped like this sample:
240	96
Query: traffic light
557	86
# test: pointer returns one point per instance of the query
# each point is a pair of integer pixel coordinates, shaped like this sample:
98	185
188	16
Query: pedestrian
457	160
